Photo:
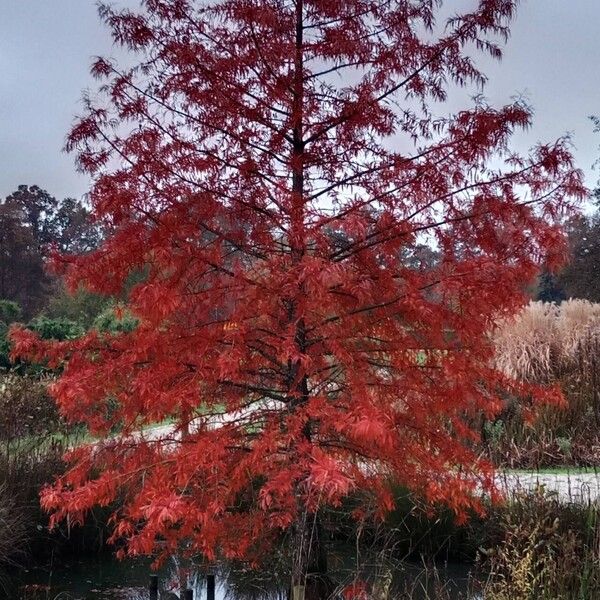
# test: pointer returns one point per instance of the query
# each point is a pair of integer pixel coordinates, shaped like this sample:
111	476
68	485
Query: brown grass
545	341
553	344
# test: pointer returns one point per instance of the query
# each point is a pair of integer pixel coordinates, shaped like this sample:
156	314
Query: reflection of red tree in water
276	232
356	591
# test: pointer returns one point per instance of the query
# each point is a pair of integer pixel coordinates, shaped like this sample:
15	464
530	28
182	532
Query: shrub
27	412
547	550
115	320
33	437
81	306
9	311
56	329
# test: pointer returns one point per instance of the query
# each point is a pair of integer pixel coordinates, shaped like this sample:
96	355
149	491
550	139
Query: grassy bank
533	547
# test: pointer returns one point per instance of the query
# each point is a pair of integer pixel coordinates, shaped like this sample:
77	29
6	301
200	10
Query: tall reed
550	344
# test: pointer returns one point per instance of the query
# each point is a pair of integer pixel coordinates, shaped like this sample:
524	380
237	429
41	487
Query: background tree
245	134
32	223
65	225
22	276
549	288
78	306
37	208
10	312
74	231
581	276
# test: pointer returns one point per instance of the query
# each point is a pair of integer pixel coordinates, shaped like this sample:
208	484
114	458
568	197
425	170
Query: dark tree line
580	278
32	223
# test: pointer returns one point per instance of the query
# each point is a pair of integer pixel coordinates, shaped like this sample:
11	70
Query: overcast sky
46	47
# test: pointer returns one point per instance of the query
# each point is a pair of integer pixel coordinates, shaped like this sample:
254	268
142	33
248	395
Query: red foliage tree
269	170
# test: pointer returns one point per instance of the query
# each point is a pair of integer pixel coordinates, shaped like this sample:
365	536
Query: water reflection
104	578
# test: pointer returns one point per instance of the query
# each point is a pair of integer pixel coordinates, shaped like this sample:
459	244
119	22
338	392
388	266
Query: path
579	487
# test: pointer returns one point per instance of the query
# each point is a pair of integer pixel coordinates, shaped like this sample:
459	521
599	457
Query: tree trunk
310	580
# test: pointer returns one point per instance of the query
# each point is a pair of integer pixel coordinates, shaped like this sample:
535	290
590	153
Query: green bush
56	329
81	307
110	322
9	311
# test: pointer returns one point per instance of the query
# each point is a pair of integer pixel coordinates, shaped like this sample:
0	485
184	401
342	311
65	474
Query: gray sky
46	48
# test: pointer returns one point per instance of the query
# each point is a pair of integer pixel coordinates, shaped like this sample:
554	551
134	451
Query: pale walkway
579	487
576	486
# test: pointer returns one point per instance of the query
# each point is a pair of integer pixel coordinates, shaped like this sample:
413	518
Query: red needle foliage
268	170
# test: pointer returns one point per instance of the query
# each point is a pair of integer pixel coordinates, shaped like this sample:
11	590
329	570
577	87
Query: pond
104	578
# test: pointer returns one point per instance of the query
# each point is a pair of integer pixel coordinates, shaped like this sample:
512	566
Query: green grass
44	441
563	470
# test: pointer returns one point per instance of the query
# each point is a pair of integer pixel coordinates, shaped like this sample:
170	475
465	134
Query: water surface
104	578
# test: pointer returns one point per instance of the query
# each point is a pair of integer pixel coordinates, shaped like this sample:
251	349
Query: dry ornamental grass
559	345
